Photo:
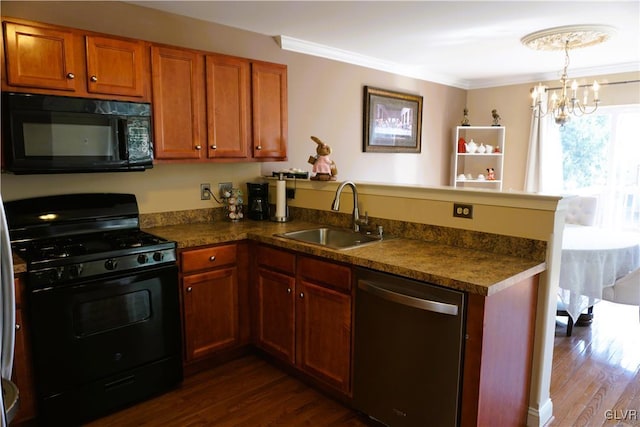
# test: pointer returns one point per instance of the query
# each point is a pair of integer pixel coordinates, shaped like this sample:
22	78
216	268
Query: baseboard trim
541	416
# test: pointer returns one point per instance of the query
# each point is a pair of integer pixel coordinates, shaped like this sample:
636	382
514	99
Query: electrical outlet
205	191
462	211
224	186
291	193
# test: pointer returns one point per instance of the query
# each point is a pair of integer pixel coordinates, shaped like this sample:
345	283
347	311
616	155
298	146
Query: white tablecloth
592	259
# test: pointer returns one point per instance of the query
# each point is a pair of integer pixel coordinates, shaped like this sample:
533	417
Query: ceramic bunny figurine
323	167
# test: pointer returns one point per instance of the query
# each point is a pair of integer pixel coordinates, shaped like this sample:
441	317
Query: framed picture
392	121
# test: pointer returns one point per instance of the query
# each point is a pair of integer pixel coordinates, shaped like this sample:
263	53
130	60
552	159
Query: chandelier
567	103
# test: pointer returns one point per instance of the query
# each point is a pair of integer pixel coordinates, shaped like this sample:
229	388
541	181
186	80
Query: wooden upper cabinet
178	103
47	59
206	106
270	120
228	106
40	57
115	66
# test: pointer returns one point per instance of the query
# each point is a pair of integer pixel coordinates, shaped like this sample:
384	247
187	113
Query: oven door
105	343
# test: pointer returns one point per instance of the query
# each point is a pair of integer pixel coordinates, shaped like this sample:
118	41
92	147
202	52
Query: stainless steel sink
331	237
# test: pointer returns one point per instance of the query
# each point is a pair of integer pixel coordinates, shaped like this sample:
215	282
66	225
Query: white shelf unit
478	163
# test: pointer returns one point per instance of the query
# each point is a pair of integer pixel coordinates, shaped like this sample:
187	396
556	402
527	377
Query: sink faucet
336	203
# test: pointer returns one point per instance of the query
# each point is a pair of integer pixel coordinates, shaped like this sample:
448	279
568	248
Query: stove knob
111	264
142	258
158	256
56	274
75	270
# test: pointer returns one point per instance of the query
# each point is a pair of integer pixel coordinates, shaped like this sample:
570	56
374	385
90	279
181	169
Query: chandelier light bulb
574	88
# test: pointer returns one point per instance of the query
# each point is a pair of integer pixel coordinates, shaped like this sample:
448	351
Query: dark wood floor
246	392
595	370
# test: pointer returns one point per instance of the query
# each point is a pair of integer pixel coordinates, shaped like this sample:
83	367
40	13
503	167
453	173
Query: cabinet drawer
206	258
276	259
328	273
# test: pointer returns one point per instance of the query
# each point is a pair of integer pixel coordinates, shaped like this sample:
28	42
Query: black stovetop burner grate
91	244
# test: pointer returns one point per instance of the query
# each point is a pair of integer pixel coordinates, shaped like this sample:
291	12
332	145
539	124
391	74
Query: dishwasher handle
419	303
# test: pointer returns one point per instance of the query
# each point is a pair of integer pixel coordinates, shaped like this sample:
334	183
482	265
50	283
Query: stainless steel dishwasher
408	351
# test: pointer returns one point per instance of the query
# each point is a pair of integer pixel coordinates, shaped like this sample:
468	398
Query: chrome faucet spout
336	203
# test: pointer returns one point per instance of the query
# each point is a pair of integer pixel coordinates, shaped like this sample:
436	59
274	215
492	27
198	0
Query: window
601	157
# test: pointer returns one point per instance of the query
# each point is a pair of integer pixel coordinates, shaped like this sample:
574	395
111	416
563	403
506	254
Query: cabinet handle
94	79
189	289
212	258
259	147
214	147
301	294
71	76
288	290
198	147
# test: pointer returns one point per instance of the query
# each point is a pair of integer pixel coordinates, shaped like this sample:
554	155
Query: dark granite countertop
474	271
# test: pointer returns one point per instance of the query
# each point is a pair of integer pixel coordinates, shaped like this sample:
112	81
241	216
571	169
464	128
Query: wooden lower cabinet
22	365
210	311
276	314
214	300
324	334
304	314
498	356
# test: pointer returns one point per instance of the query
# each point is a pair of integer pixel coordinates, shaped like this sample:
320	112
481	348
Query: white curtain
544	161
619	198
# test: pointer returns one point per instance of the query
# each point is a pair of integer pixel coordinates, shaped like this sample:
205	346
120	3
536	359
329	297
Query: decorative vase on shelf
461	146
471	146
481	149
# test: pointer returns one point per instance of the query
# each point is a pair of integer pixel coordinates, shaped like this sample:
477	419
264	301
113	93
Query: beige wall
513	104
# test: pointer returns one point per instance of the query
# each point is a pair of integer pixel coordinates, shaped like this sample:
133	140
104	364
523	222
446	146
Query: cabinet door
276	318
22	365
115	66
269	98
210	311
40	57
178	103
228	113
324	334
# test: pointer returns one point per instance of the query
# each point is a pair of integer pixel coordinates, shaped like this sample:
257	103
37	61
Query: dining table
593	258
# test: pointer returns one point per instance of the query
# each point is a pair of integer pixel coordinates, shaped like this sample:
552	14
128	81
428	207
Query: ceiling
466	44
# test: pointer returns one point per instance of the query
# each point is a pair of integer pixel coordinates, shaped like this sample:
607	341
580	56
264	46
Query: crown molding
309	48
323	51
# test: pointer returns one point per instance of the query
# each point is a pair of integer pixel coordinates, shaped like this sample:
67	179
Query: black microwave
58	134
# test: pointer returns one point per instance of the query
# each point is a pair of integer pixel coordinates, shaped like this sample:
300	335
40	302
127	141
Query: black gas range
103	302
61	260
79	236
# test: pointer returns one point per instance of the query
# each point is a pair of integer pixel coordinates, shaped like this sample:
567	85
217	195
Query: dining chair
625	290
581	210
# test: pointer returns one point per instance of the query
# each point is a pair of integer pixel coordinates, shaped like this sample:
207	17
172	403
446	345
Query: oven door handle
419	303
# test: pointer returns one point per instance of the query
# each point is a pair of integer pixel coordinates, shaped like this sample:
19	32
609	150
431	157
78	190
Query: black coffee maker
258	200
